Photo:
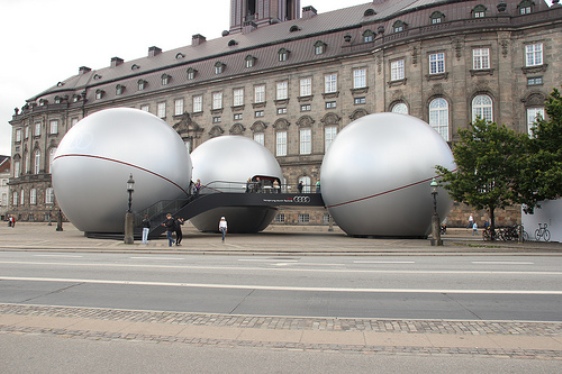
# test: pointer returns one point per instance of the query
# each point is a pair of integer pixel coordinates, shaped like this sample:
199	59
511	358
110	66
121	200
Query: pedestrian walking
474	229
169	224
223	227
145	229
179	234
470	221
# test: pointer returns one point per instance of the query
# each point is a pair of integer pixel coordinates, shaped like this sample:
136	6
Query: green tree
540	176
488	158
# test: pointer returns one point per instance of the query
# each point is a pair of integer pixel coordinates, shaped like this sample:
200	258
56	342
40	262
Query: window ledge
439	76
303	99
259	105
534	69
474	72
358	91
331	95
398	82
281	102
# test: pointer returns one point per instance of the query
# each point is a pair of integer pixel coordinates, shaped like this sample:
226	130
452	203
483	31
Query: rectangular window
37	162
481	58
53	127
397	70
161	110
330	83
359	78
73	122
197	103
238	97
359	100
33	196
26	134
280	218
533	54
178	107
37	129
17	169
305	86
437	63
532	115
534	81
281	143
15	199
282	92
306	108
259	93
330	133
49	195
145	108
281	110
305	141
259	113
259	138
330	105
216	119
304	218
217	100
237	116
18	135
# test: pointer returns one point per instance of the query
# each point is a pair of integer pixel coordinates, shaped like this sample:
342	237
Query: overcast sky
46	41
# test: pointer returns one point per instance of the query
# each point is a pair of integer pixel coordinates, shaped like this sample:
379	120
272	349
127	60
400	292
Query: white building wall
550	213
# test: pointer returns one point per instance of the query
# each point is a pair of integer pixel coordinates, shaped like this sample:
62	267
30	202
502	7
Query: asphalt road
425	287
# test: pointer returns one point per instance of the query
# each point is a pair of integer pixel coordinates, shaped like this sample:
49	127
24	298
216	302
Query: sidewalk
369	336
275	240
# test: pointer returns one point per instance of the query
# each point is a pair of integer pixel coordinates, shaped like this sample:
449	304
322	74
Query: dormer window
368	36
283	54
319	47
232	43
141	84
43	102
436	17
479	11
97	77
75	98
179	56
135	67
250	61
191	73
60	84
99	94
219	67
58	99
165	79
294	28
399	26
525	7
119	89
369	12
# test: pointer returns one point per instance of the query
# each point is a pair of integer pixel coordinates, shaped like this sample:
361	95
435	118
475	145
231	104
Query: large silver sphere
376	176
224	164
94	159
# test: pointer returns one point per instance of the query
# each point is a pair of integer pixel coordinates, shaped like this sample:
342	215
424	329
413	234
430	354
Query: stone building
291	79
5	163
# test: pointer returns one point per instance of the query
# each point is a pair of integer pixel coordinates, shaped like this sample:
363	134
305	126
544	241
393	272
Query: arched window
399	26
399	108
479	11
37	162
283	54
439	117
306	183
52	152
525	7
368	36
482	108
437	17
319	47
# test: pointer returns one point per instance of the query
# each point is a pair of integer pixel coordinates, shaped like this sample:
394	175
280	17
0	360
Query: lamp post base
129	224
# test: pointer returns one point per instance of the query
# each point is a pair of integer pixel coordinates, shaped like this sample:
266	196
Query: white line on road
280	288
501	263
157	258
69	256
384	262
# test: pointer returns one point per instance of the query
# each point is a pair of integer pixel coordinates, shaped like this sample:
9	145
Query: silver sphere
224	164
94	159
375	176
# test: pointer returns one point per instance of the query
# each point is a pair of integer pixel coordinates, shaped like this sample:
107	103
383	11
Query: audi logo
301	199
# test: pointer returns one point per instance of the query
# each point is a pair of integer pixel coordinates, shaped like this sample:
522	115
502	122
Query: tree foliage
497	166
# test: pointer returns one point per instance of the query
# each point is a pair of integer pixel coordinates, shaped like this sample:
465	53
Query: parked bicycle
542	232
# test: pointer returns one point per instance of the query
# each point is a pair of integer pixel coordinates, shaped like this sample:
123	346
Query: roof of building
5	162
268	39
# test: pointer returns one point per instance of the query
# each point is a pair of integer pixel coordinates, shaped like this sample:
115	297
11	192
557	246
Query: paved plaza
427	337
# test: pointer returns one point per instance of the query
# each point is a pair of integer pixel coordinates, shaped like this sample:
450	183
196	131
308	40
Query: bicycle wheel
546	235
525	236
537	235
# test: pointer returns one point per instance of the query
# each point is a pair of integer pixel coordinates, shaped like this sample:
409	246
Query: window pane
482	107
359	78
331	83
397	70
281	143
439	117
259	94
330	133
305	141
306	87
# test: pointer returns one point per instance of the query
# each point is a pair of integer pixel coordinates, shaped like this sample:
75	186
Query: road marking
501	263
157	258
291	269
70	256
279	288
384	262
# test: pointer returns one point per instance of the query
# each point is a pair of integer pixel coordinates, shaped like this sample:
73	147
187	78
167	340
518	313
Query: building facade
292	79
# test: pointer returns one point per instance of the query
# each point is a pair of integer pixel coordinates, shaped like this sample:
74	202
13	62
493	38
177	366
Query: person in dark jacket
170	225
179	233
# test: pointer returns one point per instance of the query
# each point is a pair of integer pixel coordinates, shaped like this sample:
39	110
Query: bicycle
542	232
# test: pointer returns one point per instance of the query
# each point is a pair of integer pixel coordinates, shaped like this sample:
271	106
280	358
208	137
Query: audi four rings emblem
301	199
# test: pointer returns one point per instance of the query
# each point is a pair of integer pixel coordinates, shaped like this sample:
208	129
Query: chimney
116	61
154	51
198	39
309	12
84	70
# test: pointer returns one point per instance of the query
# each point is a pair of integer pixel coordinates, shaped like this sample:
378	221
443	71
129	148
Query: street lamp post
129	217
435	221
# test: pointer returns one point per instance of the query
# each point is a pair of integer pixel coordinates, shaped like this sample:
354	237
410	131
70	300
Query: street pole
435	221
129	216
